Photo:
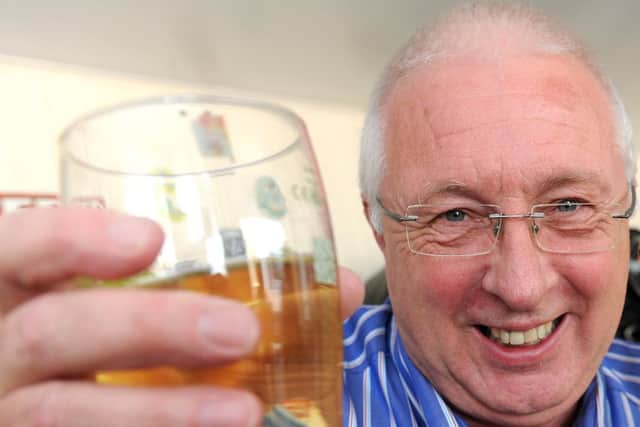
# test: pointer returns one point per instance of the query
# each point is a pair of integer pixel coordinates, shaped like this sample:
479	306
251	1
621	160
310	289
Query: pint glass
236	189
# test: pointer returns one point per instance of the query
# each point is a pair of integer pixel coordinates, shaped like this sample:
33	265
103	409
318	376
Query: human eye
439	216
455	215
448	216
574	212
568	205
459	217
449	228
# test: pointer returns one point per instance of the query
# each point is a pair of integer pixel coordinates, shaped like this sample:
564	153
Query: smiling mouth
521	338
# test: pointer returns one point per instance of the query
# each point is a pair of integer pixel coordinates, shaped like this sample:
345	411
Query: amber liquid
297	364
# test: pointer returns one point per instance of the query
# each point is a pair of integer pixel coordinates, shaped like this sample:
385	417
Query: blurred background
61	59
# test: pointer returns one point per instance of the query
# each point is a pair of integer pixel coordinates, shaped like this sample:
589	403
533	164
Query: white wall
39	99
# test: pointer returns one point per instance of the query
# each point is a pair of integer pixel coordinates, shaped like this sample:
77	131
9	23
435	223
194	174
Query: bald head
488	31
482	32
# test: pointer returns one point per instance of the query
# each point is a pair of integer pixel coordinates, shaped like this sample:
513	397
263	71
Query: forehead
505	126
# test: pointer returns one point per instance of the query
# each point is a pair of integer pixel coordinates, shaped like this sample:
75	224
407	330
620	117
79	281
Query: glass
473	229
235	186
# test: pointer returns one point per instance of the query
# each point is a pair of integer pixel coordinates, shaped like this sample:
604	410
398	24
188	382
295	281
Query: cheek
597	275
599	285
434	284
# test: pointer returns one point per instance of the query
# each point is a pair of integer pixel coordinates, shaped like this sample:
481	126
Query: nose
519	273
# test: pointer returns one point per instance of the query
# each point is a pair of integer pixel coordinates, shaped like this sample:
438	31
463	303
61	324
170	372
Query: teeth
529	337
516	338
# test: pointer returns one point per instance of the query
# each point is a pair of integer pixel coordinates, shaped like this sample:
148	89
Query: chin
525	404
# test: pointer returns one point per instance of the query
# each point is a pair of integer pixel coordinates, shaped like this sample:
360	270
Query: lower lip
524	356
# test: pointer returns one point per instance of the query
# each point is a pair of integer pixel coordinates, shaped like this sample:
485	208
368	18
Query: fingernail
238	410
130	233
230	330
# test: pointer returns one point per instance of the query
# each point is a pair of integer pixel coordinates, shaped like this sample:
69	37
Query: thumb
351	292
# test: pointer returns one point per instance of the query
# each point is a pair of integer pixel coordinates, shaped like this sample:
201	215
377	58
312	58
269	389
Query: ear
377	235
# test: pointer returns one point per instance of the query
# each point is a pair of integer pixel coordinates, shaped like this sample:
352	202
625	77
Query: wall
41	98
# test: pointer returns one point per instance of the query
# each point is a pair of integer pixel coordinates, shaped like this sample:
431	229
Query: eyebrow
449	187
592	180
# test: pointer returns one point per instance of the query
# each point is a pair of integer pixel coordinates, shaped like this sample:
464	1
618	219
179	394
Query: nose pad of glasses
496	228
535	228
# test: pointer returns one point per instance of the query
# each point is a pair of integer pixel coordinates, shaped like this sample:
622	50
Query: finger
43	246
68	404
351	292
75	333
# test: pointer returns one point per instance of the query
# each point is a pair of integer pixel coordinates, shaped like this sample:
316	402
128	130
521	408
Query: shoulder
621	368
623	355
365	334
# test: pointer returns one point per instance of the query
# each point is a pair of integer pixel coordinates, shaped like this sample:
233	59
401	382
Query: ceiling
324	50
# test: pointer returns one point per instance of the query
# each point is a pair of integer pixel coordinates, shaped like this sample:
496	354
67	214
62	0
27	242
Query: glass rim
174	99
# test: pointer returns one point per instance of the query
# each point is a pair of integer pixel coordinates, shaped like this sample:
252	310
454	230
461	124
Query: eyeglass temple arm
627	214
394	216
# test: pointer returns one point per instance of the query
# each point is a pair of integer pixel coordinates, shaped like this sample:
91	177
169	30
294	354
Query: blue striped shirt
382	387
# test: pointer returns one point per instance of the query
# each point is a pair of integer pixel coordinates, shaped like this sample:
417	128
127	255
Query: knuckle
252	409
54	254
148	331
145	319
163	417
173	341
29	333
44	411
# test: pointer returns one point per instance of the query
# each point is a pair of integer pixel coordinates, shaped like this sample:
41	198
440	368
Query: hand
50	338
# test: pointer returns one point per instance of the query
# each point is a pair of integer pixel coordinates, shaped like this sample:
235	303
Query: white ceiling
325	50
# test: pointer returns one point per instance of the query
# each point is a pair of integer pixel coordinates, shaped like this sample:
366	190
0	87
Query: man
499	315
497	176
